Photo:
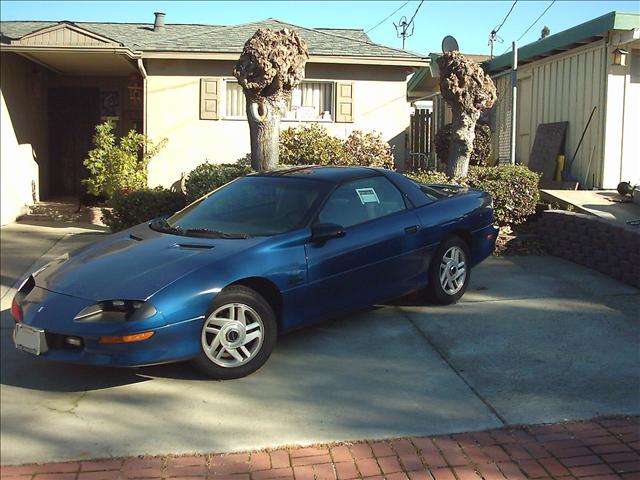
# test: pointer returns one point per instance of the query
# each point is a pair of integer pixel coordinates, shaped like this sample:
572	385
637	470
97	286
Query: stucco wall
173	112
23	133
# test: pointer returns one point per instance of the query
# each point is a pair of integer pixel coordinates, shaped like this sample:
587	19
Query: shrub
514	189
430	176
314	145
118	165
208	176
309	146
481	144
129	209
366	149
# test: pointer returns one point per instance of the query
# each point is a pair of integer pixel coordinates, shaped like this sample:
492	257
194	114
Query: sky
470	22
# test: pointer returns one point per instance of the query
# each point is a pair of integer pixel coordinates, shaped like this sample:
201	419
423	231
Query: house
59	79
561	78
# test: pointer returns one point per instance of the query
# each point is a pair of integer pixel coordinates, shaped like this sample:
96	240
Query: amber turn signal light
138	337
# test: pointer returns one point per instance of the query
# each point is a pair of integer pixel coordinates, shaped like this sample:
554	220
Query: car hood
134	264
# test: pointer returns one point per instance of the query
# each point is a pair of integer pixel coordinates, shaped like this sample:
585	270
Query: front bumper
170	343
53	312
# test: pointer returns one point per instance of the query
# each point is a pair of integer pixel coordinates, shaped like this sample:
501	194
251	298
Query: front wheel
238	334
449	272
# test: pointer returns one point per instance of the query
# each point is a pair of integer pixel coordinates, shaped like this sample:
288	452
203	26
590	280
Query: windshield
252	206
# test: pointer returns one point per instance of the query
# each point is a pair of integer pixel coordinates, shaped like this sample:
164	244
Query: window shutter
209	99
344	102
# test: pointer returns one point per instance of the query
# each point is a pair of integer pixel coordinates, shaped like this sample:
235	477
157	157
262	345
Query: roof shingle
219	38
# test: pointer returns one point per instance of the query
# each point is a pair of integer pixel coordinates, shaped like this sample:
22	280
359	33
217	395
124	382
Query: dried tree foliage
270	67
272	62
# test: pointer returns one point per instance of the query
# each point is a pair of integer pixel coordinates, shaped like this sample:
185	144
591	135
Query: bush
309	146
429	176
514	189
129	209
118	165
481	144
314	145
366	149
208	176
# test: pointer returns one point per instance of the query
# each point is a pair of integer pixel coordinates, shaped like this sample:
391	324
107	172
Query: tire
450	261
226	351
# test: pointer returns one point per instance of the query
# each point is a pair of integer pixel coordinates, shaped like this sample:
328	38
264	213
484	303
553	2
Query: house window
236	106
310	101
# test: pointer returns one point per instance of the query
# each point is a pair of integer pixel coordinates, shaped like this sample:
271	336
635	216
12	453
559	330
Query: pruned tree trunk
264	129
468	91
270	67
463	132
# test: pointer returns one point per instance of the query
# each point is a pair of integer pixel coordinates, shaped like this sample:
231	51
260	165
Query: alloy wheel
232	335
453	270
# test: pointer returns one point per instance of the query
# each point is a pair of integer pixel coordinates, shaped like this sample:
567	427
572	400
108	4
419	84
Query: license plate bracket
29	339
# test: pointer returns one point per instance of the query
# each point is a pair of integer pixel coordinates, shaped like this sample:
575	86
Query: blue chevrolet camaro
218	281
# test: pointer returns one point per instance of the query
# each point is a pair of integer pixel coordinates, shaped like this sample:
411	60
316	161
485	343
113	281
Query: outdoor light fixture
620	57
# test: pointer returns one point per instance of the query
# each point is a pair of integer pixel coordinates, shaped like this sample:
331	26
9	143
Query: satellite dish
449	44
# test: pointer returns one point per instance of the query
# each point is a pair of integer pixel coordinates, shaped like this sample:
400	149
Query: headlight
114	311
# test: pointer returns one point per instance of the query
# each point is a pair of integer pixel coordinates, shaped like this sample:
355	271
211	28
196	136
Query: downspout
143	72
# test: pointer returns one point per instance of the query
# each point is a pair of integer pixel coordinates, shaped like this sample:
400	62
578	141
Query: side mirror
322	232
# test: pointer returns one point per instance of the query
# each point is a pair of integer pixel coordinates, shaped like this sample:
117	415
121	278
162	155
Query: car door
378	258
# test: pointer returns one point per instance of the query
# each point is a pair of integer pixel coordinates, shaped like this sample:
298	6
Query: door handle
411	229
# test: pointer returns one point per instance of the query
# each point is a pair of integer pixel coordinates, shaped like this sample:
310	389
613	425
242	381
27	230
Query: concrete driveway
536	339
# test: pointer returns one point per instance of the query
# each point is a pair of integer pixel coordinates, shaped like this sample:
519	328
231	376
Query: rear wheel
238	334
449	272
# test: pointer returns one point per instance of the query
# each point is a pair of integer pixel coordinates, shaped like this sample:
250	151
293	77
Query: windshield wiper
206	232
161	225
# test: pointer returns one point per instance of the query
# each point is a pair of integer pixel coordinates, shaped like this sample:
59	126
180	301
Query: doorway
73	115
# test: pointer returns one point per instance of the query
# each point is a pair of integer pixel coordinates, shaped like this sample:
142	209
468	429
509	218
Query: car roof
331	174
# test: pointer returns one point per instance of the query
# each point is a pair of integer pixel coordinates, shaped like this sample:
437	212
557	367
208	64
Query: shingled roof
140	37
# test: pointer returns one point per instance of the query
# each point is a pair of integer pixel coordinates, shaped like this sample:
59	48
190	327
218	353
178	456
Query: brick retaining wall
610	248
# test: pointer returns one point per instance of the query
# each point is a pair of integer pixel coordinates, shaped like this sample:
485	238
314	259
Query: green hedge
314	145
514	189
207	176
129	209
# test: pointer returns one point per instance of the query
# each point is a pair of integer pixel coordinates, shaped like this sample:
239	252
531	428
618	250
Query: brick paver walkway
600	449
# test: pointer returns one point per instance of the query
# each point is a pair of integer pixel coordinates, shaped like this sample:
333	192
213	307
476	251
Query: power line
534	22
388	16
493	36
497	29
416	12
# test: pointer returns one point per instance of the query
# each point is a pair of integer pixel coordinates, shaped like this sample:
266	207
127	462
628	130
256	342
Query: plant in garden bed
514	189
209	176
314	145
129	209
118	165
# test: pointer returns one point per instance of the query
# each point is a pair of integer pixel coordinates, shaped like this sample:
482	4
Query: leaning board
548	144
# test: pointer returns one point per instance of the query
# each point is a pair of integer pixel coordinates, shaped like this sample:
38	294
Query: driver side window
360	201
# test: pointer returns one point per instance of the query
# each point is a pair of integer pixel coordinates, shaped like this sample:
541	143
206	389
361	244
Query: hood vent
194	246
136	238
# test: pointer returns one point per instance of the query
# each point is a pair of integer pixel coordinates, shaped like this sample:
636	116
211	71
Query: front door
73	115
379	258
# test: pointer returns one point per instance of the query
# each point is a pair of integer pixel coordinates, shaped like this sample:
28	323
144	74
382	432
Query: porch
52	99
